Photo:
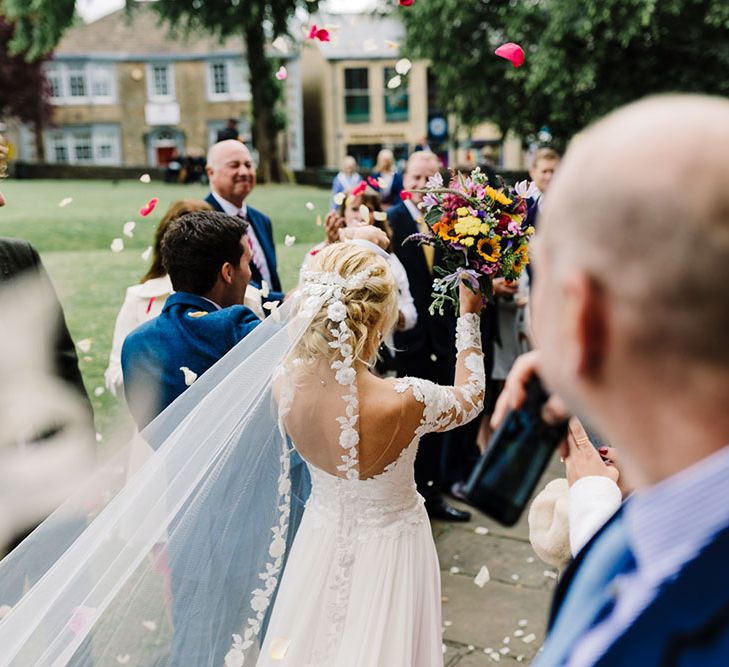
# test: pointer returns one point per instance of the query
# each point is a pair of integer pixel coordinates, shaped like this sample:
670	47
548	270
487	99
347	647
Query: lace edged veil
180	563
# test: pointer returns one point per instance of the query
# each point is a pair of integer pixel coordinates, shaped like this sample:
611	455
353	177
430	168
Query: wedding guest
346	180
232	177
349	216
390	179
146	300
542	165
230	131
207	257
647	363
423	351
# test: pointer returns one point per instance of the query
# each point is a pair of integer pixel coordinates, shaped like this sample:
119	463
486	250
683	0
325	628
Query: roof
360	36
127	36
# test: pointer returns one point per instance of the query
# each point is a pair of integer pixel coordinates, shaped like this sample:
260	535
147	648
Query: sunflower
498	196
489	248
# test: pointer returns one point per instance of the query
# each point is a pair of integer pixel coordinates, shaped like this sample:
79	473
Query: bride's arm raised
446	408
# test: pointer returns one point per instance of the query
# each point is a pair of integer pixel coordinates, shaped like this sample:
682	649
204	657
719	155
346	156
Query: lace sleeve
446	408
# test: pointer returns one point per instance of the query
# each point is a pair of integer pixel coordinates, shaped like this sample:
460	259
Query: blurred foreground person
630	313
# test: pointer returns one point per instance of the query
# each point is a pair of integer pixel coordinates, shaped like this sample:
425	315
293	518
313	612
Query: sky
94	9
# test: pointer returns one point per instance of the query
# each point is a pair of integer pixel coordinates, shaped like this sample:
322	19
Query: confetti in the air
99	391
518	633
123	659
129	228
85	345
394	82
318	221
380	216
391	45
529	638
455	570
339	198
190	376
145	178
149	625
99	437
273	310
405	3
65	202
265	289
310	206
322	34
403	66
279	648
147	253
481	530
483	577
289	240
523	623
282	74
364	213
117	245
359	189
405	195
511	52
148	207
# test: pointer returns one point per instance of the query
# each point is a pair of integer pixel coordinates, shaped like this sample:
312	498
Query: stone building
127	92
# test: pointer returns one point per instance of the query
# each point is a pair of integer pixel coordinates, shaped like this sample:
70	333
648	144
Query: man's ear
587	303
226	273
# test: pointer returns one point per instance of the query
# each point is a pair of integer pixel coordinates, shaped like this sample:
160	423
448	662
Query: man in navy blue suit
232	177
207	257
542	166
630	311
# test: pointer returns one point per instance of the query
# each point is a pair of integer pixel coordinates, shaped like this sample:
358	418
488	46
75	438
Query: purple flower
435	181
430	201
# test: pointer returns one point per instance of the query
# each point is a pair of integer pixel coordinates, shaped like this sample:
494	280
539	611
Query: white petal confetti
145	178
364	213
504	650
129	228
481	530
99	437
394	82
448	623
65	202
149	625
99	391
190	376
506	640
523	623
515	577
272	308
85	345
380	216
265	289
455	570
403	66
147	253
518	633
520	658
483	577
529	638
531	559
123	659
339	198
550	574
279	648
289	240
471	647
117	245
445	648
310	206
495	657
318	221
5	610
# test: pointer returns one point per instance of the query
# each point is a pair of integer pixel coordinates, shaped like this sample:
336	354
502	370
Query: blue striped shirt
668	525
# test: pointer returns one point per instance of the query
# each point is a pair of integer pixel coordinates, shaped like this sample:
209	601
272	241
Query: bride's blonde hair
372	310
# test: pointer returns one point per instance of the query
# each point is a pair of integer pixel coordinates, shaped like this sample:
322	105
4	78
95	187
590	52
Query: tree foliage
583	57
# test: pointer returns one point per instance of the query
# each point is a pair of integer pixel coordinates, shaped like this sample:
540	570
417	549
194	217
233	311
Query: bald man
632	319
232	176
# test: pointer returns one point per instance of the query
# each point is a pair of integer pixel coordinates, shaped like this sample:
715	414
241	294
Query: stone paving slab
480	618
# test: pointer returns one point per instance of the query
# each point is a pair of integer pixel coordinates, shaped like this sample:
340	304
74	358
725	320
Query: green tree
583	57
258	21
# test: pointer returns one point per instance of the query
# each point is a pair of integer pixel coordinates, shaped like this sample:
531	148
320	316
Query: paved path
509	613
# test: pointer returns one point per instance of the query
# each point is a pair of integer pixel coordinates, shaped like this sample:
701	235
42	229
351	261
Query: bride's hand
471	302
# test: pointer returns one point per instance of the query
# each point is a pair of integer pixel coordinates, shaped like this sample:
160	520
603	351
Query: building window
76	80
397	100
357	95
77	83
160	82
228	80
89	144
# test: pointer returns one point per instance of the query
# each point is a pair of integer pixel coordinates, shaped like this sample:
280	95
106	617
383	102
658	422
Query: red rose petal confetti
319	33
359	189
148	207
405	3
511	52
405	195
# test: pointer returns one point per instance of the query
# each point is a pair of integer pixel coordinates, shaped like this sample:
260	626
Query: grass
91	280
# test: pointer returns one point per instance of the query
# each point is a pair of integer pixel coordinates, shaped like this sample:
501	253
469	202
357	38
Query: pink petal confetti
405	195
81	619
322	34
405	3
359	189
148	207
511	52
282	74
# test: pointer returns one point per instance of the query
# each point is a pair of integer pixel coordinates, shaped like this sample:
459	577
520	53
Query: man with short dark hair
206	255
230	131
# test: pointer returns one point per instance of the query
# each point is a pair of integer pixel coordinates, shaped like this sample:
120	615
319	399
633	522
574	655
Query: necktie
257	257
591	596
428	250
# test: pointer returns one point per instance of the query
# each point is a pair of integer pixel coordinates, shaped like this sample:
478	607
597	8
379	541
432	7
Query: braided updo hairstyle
372	310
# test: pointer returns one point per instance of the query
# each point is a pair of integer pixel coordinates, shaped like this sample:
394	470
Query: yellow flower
530	230
489	249
497	196
485	228
462	212
469	226
468	241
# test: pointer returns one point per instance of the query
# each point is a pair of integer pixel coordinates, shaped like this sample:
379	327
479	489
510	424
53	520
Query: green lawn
91	280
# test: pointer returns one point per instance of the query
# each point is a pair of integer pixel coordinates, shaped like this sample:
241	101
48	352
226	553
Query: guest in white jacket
147	299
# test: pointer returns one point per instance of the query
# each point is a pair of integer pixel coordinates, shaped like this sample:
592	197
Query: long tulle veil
195	540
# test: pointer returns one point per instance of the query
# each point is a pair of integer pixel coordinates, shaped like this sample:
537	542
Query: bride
197	559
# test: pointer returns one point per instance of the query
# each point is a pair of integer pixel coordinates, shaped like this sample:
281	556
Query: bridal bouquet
480	230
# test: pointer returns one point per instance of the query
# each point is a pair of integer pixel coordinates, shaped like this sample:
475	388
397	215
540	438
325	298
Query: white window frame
109	70
240	93
100	133
152	96
55	70
70	69
61	71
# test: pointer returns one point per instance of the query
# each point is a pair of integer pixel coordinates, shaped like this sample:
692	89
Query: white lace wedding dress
361	587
